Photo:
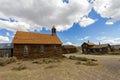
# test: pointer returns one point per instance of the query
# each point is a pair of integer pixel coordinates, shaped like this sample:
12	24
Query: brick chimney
53	31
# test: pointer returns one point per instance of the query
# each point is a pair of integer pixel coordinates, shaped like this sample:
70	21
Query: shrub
78	58
19	67
78	63
82	58
90	63
72	57
13	59
4	61
37	62
46	60
64	56
50	66
97	53
93	59
115	53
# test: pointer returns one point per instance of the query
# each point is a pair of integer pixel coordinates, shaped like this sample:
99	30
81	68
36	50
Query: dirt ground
108	68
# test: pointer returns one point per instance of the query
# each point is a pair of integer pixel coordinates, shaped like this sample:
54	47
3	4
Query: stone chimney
53	31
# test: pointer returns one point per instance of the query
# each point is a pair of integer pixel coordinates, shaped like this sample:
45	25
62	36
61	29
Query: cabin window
84	50
55	48
42	49
25	50
100	50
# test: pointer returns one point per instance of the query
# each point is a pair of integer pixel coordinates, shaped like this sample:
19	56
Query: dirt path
109	68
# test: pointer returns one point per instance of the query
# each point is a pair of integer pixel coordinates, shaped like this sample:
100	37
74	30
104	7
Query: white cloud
4	39
86	21
110	40
14	25
7	34
108	9
84	38
109	23
35	14
68	43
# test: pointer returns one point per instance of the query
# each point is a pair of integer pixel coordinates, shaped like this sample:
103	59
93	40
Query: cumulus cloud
68	43
110	40
4	39
108	9
85	21
35	14
84	38
7	34
13	26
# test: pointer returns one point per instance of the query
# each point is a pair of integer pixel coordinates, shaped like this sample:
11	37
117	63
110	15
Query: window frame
42	48
25	50
55	48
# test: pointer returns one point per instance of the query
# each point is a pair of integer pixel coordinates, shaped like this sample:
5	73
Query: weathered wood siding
34	51
69	50
5	52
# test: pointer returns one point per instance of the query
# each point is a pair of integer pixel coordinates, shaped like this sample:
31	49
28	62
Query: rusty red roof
35	38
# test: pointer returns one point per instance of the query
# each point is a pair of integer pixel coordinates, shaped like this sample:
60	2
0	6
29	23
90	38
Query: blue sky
77	34
75	25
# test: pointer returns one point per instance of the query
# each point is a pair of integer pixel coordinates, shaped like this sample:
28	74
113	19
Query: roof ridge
33	32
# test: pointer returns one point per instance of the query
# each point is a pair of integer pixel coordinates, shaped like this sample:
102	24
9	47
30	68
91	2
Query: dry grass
46	61
81	58
90	63
51	66
65	69
6	60
114	53
19	67
84	61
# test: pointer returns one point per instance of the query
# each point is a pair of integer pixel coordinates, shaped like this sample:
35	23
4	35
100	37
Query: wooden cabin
116	47
6	50
36	45
91	48
69	49
101	48
86	47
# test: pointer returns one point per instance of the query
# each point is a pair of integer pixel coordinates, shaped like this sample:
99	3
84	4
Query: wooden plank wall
34	51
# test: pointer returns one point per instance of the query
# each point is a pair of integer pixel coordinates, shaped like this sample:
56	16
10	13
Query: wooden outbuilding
36	45
116	47
6	49
69	49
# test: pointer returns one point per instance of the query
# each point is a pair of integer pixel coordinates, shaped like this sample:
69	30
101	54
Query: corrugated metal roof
35	38
6	46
